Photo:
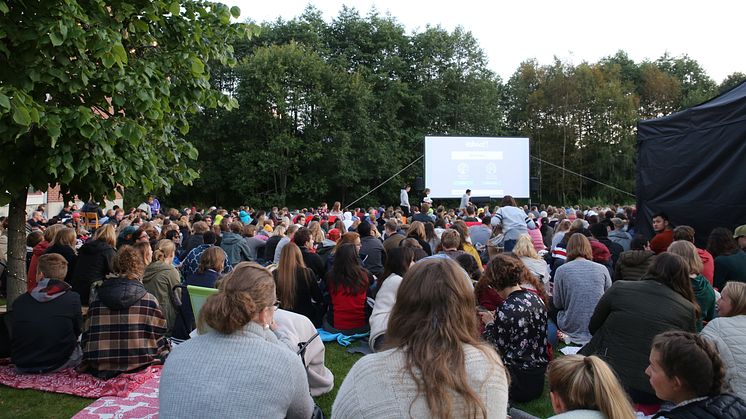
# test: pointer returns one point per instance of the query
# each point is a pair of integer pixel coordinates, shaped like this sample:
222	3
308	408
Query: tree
95	97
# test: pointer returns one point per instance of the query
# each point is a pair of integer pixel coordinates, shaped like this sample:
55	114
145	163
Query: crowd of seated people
461	308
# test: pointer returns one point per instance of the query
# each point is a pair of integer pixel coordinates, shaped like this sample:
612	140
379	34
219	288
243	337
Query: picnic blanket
344	340
68	381
141	403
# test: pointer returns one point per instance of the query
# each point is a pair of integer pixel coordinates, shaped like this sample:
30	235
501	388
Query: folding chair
90	220
197	297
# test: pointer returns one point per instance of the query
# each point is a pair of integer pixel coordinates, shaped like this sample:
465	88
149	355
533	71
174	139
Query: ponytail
588	383
164	249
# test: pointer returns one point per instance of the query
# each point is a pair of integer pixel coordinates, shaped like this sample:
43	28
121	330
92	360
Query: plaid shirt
126	339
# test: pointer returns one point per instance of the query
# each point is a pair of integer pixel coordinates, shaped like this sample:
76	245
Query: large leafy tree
94	96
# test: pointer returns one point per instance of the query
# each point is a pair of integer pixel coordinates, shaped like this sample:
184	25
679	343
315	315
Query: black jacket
190	243
314	262
45	333
95	261
722	406
373	254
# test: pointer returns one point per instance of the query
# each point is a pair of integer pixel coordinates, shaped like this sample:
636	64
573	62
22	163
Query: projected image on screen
494	166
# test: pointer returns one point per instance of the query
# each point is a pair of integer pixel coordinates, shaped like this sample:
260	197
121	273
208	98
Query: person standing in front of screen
404	200
465	200
513	221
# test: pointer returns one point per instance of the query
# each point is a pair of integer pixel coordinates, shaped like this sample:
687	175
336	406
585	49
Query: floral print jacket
519	332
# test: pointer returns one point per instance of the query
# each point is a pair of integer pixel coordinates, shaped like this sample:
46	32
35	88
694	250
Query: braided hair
693	359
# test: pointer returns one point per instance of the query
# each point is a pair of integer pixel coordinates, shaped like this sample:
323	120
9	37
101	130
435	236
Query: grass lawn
19	404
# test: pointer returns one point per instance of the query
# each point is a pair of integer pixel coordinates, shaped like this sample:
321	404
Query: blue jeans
552	333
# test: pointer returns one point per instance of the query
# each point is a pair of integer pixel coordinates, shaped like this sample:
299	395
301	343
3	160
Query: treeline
328	110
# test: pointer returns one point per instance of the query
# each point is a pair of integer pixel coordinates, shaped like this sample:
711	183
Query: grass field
21	404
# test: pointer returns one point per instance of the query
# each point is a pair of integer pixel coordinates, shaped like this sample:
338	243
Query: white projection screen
489	166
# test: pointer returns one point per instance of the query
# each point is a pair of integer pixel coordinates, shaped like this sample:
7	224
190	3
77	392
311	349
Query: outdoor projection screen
489	166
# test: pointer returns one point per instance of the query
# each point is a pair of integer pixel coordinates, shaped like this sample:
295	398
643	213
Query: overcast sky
510	32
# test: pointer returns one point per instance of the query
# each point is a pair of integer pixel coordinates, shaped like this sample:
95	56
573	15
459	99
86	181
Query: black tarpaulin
692	166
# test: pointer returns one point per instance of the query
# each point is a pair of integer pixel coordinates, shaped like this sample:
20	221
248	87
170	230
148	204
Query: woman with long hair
730	260
123	314
463	230
398	261
686	370
417	231
586	387
347	284
524	250
95	261
336	210
702	289
578	285
518	328
240	368
435	364
297	288
161	277
64	243
727	333
631	313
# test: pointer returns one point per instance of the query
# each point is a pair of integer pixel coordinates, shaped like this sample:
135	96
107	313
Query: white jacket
729	335
296	328
385	299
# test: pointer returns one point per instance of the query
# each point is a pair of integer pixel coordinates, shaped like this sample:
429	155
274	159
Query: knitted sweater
378	386
578	285
236	375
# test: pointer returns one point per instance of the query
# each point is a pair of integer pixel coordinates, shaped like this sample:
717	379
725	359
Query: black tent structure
692	166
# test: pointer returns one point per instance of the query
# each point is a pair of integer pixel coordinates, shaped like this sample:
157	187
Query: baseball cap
740	231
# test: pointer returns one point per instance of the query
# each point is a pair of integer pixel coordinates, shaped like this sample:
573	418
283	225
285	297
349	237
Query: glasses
276	305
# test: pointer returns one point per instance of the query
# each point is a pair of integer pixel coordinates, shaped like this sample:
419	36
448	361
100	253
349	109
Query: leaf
4	7
235	12
4	101
108	59
21	115
198	67
174	8
119	53
56	39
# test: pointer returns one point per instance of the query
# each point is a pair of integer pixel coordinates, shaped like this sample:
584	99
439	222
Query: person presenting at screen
404	200
465	200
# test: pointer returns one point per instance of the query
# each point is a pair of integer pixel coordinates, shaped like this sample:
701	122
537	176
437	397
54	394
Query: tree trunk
17	246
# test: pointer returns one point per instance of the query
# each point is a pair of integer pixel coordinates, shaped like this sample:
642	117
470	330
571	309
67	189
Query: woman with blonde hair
95	261
586	387
727	333
524	249
336	209
463	230
702	289
240	367
297	287
161	277
434	363
64	243
316	233
417	231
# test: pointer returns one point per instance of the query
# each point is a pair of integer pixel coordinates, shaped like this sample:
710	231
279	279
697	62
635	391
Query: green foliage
95	96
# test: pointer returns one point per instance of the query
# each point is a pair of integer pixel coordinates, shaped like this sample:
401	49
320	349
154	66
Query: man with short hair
423	215
618	235
465	200
404	200
371	251
708	262
663	233
391	236
47	321
481	233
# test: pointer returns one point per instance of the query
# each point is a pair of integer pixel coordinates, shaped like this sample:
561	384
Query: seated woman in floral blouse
518	328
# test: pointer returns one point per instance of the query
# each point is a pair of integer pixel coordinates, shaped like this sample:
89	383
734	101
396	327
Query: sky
510	32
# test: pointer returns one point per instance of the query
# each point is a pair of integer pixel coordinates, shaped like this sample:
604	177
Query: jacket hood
49	289
636	257
93	247
119	293
230	238
704	255
699	284
155	269
40	248
600	251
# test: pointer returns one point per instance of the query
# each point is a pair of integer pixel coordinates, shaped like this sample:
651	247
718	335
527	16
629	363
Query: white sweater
729	335
378	386
385	299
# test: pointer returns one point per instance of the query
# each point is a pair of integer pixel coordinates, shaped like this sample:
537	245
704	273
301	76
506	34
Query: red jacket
661	241
39	250
708	262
